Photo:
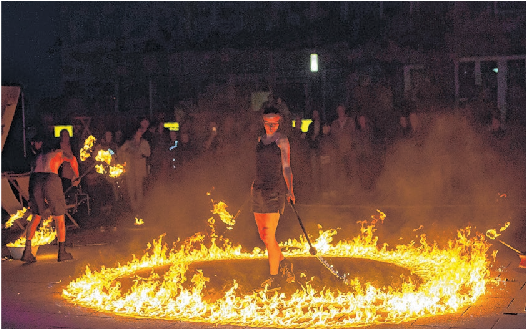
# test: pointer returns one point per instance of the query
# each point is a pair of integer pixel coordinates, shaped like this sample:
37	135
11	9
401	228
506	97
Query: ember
450	279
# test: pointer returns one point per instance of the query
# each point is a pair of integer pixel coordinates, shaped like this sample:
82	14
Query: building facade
148	57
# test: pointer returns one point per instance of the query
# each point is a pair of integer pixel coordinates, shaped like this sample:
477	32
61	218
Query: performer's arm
74	165
287	171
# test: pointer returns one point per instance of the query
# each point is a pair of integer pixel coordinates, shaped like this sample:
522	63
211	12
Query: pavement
31	294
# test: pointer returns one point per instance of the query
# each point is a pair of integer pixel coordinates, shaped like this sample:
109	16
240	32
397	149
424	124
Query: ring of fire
452	277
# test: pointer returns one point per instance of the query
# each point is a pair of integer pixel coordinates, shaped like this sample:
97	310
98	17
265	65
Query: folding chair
21	183
72	204
10	203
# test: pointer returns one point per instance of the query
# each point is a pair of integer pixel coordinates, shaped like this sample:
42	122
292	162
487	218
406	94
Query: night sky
29	30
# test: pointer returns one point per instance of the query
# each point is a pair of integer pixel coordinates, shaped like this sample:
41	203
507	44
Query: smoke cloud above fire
448	176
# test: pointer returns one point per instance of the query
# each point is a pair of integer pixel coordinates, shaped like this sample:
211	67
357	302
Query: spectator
313	137
144	123
35	149
327	164
135	151
342	130
211	143
118	138
108	144
299	159
364	152
158	144
270	102
173	159
160	153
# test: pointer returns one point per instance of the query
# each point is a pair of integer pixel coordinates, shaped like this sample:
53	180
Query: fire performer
46	187
270	192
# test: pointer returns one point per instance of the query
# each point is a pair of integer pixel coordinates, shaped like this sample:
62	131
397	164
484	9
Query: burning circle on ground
180	283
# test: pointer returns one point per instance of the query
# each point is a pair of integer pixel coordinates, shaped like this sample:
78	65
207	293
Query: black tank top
269	172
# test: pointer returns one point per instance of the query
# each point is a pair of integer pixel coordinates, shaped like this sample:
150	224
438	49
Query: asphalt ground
31	294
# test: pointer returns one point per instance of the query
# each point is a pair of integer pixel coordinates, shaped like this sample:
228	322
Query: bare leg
267	224
31	229
61	227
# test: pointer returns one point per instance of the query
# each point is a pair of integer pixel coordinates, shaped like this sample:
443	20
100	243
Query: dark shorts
46	192
265	201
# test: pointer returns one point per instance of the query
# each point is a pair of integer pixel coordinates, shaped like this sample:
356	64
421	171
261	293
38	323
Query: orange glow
452	278
139	221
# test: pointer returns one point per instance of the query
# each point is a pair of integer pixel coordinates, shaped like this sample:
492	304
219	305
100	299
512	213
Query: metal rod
24	124
507	245
79	178
313	251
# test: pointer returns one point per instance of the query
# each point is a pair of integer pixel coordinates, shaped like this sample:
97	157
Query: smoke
449	176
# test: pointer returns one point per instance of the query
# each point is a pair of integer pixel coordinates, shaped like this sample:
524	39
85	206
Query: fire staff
271	188
46	193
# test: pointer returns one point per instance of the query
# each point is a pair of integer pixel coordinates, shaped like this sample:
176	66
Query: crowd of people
330	160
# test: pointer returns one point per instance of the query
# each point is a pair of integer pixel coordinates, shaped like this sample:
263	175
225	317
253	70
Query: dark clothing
314	134
269	173
268	201
44	187
269	189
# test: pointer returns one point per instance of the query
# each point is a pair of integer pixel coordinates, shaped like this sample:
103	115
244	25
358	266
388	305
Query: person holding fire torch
46	193
270	190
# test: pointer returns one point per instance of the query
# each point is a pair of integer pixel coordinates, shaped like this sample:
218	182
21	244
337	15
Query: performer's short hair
271	110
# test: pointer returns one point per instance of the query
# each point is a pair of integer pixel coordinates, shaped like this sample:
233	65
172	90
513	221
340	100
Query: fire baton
79	178
522	255
314	252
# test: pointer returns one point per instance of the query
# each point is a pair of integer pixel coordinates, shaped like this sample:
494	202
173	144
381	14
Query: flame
219	208
44	235
100	169
85	151
492	233
226	217
452	277
138	221
105	157
19	214
117	170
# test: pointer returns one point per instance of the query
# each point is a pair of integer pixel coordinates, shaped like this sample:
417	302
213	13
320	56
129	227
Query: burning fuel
44	235
85	151
452	277
139	221
105	166
492	233
13	218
